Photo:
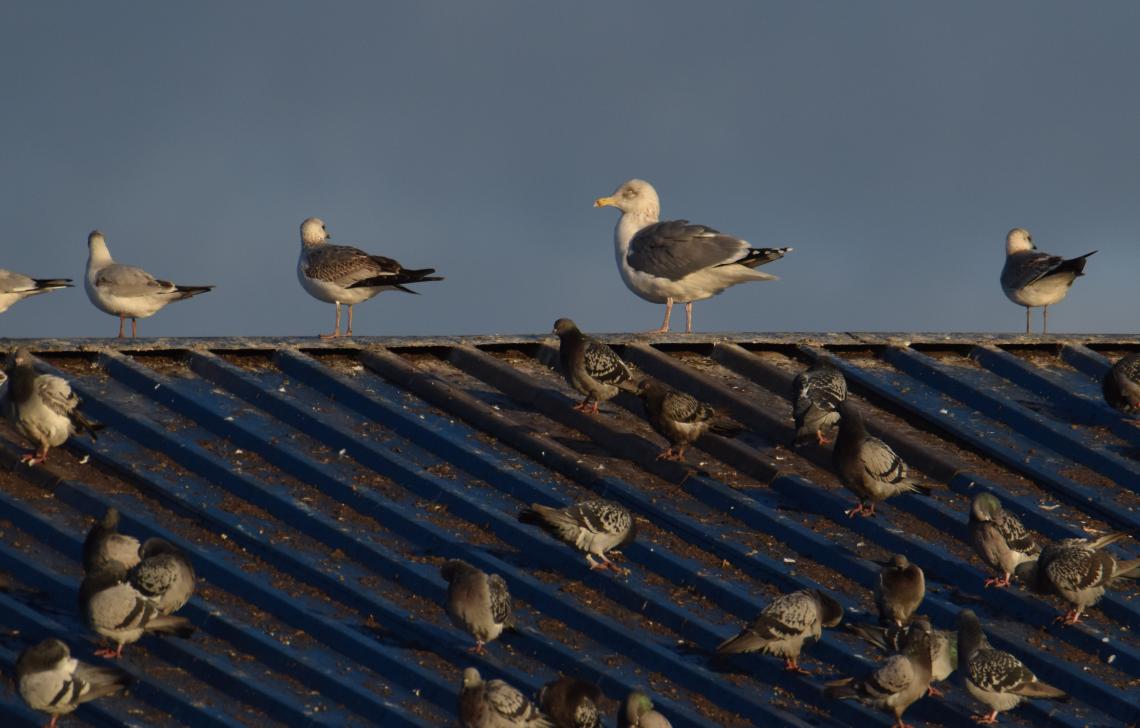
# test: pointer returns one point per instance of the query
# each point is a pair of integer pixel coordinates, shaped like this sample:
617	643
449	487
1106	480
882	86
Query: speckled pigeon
571	703
590	367
785	624
1122	385
51	681
1078	570
816	394
163	574
999	538
680	418
867	466
595	527
495	704
477	603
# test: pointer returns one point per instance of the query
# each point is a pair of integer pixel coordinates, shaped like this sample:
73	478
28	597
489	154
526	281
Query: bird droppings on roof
320	487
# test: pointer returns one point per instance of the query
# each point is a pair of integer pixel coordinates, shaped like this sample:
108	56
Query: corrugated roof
320	485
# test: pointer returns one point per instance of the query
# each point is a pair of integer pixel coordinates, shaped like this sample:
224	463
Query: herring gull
16	287
1031	278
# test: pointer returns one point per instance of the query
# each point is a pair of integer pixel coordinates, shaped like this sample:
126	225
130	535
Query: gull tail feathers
191	291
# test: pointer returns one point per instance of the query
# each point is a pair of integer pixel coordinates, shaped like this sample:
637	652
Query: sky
892	144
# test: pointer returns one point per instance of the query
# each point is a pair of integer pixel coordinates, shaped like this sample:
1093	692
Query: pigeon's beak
605	202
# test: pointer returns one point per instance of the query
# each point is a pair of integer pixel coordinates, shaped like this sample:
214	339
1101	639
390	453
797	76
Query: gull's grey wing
345	265
128	281
604	365
673	249
1025	269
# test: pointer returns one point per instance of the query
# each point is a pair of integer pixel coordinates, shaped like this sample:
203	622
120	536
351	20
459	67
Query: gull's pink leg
134	327
120	326
688	317
665	326
336	331
348	331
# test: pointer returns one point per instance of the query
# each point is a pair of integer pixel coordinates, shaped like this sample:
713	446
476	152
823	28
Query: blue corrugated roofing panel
319	487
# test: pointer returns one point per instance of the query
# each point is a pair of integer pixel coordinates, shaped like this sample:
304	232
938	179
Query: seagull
164	574
895	684
680	418
589	366
893	640
42	407
594	526
104	544
785	624
51	681
1031	278
994	677
495	704
1078	570
816	394
868	466
114	608
477	603
571	703
15	287
342	274
126	291
670	261
637	712
1122	384
899	590
999	538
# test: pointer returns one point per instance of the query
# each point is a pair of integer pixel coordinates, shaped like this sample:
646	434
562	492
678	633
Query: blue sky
892	144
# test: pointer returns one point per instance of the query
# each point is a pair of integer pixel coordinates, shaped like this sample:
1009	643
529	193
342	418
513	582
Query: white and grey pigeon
495	704
51	681
1122	384
1031	278
673	260
590	367
681	418
594	526
571	703
993	677
867	466
638	712
104	544
816	394
115	609
342	274
999	538
785	624
15	287
477	603
1078	570
42	407
893	640
164	574
896	684
127	291
899	591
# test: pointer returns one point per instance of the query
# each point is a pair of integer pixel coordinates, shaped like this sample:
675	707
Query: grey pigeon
785	624
595	527
115	609
15	287
1031	278
42	407
899	590
995	678
893	640
816	394
895	684
51	681
104	543
868	466
999	538
164	574
680	418
637	712
495	704
1122	384
477	603
590	367
571	703
1078	570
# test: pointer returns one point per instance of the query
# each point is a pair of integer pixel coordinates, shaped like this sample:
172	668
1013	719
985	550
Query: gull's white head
313	231
636	197
95	238
1018	240
97	247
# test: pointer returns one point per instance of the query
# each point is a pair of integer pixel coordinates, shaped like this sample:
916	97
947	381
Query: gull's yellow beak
604	202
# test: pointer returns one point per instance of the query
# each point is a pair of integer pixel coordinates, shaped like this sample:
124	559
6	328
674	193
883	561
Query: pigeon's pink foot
852	512
790	665
1070	617
934	692
986	718
996	581
109	653
478	648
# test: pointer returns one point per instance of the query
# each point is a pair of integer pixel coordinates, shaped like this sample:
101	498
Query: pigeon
1031	278
680	418
342	274
571	703
495	704
1122	384
42	407
816	394
893	686
637	712
126	291
999	538
164	574
51	681
670	261
785	624
995	678
894	640
1078	570
595	527
114	608
899	590
477	603
867	466
15	287
589	366
105	544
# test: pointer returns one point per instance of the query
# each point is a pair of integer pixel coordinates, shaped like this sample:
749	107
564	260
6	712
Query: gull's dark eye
628	192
